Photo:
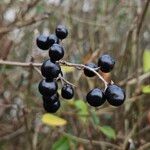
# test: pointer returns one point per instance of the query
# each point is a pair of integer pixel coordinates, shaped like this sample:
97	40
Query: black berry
56	52
95	97
115	95
106	63
61	32
51	107
50	70
67	91
89	73
53	39
42	42
52	99
48	88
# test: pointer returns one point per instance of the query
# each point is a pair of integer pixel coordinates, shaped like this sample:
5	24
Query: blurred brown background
120	28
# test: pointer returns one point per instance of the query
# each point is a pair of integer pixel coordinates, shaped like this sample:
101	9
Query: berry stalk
81	66
61	62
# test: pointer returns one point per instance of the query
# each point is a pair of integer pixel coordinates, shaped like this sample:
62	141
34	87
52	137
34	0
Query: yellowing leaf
146	60
53	120
146	89
67	69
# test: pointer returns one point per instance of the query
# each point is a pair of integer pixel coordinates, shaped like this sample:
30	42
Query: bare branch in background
21	24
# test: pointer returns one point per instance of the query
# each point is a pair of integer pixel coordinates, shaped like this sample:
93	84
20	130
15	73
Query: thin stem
61	62
38	71
133	130
65	81
21	24
12	135
87	141
36	65
142	17
21	64
81	66
145	146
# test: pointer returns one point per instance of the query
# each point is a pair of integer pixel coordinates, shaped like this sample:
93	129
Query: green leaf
61	144
82	109
108	132
95	118
53	120
146	89
146	61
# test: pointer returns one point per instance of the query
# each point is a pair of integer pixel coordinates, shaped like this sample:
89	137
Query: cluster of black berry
50	70
113	93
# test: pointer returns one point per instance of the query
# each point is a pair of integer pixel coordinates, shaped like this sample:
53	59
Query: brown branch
134	80
27	129
6	7
38	71
77	66
140	23
81	66
65	81
29	7
132	132
137	37
128	137
21	64
87	141
23	14
13	134
21	24
145	146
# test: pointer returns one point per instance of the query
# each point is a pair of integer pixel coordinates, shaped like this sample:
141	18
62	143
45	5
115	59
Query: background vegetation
120	28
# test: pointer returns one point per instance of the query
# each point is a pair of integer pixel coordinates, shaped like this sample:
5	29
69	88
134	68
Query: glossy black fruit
56	52
48	88
106	63
52	98
89	73
95	97
115	95
61	32
42	42
51	107
67	91
50	70
53	39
